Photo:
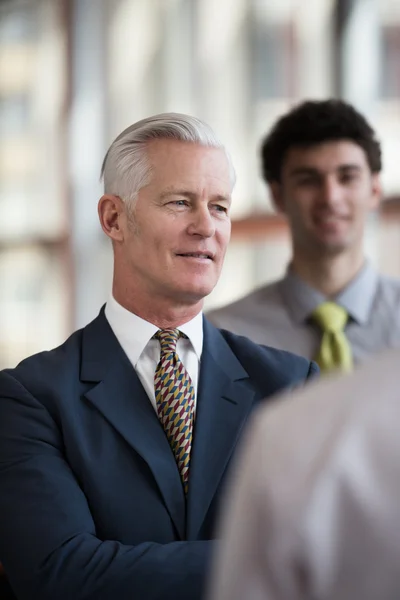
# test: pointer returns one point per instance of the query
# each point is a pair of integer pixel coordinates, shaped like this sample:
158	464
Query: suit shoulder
261	295
261	298
257	356
55	365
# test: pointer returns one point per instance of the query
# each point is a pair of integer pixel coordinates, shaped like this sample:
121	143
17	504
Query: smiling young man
114	447
322	164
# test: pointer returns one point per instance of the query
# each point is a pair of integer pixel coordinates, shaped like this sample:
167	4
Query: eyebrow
315	171
188	194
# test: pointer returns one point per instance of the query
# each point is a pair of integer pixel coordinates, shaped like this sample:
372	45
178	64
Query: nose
331	192
202	223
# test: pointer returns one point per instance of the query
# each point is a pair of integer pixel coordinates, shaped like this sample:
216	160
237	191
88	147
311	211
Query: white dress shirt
314	510
136	338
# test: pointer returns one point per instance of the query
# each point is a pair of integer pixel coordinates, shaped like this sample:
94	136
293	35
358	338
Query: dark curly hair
315	122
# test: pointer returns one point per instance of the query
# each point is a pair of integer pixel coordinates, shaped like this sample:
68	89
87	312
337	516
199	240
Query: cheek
223	233
357	211
296	200
143	250
364	203
300	209
223	242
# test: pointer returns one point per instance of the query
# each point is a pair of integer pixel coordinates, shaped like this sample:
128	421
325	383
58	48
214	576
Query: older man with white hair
114	446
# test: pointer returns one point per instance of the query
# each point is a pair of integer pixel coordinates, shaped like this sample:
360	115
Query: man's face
174	244
326	191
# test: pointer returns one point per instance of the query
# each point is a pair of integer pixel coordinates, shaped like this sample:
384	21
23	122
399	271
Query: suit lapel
223	403
118	394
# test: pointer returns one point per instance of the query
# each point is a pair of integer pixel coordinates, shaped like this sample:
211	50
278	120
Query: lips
330	218
203	255
330	222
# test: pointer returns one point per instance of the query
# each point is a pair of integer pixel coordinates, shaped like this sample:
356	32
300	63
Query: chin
333	239
195	293
333	247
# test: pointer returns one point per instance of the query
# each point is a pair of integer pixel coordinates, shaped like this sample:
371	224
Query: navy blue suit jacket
91	502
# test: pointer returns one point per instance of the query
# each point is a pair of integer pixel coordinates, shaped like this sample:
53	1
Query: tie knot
168	339
330	317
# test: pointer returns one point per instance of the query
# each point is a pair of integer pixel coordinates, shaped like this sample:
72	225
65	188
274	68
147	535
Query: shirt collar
194	331
357	297
134	333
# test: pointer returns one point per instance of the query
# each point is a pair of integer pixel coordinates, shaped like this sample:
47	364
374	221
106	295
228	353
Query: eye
221	208
307	181
179	202
349	177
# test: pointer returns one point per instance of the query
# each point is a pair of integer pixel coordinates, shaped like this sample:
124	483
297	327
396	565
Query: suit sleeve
48	542
313	371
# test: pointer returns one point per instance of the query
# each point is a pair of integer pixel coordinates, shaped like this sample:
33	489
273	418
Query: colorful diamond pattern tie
175	400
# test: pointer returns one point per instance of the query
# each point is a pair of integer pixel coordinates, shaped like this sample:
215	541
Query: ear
111	211
376	191
275	189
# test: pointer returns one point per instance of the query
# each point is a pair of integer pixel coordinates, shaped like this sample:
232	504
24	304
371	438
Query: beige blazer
314	508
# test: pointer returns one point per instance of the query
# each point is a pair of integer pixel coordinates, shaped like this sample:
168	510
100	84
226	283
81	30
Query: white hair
126	168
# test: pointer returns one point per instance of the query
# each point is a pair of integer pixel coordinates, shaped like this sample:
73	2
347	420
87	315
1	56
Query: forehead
327	156
173	160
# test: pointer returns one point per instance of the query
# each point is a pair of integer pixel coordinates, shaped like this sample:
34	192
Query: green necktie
335	351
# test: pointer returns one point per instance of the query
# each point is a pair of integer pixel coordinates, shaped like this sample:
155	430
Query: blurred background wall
74	73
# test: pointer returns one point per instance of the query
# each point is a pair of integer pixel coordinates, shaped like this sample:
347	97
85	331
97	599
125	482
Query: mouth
329	220
208	256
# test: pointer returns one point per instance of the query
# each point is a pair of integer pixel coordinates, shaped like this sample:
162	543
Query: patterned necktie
335	351
175	400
